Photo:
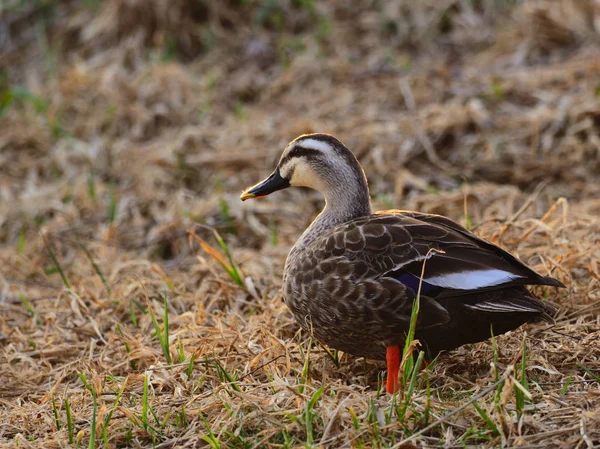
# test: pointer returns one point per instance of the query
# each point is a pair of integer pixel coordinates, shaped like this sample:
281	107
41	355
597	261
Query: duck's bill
272	184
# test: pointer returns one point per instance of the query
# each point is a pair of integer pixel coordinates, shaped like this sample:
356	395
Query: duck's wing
467	262
388	250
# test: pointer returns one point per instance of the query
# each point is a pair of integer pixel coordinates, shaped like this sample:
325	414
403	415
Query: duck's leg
392	357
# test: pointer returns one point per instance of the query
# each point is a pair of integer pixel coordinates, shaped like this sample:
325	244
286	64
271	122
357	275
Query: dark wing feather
466	251
394	244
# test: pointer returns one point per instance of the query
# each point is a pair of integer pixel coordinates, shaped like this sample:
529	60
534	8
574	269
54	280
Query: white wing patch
470	280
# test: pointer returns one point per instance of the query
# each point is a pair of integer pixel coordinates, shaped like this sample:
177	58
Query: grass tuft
162	334
310	415
522	385
228	264
92	390
107	420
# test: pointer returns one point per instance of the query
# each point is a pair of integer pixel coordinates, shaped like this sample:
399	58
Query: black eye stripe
299	152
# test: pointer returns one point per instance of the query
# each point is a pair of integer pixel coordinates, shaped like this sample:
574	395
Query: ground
128	129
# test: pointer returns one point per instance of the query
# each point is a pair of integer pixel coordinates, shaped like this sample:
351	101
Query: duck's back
354	285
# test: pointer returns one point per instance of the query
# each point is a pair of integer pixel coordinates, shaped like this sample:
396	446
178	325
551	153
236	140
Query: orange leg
392	357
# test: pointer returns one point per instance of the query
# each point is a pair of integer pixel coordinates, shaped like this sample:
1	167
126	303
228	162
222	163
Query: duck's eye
300	152
309	153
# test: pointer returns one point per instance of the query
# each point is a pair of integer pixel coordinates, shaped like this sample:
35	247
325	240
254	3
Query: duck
353	275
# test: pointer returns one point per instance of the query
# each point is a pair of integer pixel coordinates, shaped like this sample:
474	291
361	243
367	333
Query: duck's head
318	161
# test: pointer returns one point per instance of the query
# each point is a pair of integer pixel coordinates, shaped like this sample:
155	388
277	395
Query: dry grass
125	123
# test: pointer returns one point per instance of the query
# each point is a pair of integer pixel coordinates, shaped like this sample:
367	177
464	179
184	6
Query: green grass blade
132	315
354	417
112	204
309	415
225	377
116	404
305	369
565	386
183	417
162	334
165	337
210	437
589	371
91	187
90	388
520	397
234	271
492	426
92	443
145	402
26	304
413	379
55	411
70	426
407	357
56	264
21	243
96	267
190	368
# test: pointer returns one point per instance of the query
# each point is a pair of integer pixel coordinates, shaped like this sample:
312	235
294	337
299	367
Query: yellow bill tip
245	196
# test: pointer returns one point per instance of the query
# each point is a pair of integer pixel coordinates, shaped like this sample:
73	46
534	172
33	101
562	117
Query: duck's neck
344	201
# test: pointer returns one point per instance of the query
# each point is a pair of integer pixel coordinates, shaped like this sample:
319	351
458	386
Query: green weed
18	94
228	264
29	308
112	204
162	334
56	264
190	368
21	243
111	412
491	425
309	415
91	187
355	421
95	267
210	437
522	389
180	351
225	377
305	369
594	376
70	425
92	390
55	411
565	386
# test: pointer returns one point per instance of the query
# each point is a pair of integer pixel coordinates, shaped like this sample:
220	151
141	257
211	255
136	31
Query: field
140	300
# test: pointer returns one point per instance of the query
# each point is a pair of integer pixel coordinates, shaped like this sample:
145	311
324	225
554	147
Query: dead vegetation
125	123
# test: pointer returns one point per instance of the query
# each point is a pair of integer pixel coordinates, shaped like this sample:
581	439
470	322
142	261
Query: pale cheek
300	178
305	177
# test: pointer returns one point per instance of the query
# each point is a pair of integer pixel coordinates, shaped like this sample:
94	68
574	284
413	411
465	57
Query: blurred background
124	123
152	115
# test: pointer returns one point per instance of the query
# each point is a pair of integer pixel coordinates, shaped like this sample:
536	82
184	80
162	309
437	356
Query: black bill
272	184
